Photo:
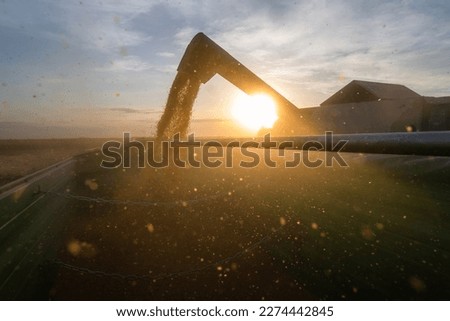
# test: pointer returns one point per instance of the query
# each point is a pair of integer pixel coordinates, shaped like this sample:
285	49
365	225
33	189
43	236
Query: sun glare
254	112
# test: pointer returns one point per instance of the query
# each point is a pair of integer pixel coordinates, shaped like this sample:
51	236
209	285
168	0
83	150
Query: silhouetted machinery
376	116
201	61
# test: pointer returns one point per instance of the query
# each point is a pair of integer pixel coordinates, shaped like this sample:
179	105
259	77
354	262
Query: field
21	157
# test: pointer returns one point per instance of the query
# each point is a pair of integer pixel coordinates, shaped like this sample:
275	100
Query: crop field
21	157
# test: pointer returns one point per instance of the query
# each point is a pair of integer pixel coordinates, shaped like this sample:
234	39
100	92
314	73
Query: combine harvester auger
204	58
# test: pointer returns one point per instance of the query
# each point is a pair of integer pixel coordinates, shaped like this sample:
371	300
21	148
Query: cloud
313	44
210	120
134	111
104	25
166	54
130	63
185	35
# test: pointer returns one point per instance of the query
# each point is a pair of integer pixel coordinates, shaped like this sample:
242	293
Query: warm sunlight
254	112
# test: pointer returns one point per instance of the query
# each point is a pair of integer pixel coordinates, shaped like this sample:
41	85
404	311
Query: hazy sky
97	68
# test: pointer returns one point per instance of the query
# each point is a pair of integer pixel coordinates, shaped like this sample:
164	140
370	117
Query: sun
255	111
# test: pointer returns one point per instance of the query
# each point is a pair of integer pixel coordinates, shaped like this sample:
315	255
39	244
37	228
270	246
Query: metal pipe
204	58
417	143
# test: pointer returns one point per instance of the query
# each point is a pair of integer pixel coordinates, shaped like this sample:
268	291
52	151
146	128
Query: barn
374	107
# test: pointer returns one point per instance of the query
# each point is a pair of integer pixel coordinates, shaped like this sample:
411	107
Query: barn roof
359	91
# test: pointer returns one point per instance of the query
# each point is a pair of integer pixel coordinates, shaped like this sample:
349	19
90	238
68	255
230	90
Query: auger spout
203	59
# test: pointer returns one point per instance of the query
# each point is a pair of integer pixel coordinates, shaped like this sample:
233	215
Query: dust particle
150	228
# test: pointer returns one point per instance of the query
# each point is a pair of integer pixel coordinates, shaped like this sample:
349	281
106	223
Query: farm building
373	107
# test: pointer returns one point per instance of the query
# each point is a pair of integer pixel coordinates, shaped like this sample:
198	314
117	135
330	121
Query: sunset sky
98	68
